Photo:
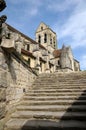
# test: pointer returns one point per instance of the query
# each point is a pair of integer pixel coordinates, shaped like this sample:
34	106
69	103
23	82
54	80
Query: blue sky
66	17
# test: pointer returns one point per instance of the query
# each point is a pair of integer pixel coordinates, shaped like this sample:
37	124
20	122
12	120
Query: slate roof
27	53
25	36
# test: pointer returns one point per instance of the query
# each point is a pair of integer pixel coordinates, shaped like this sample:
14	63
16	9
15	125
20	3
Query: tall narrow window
28	61
54	42
58	62
50	39
39	39
54	39
45	38
41	65
28	47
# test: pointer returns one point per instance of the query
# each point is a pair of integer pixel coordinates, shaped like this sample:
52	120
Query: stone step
56	94
83	88
56	102
55	78
63	76
67	76
50	115
55	90
25	124
60	85
73	108
63	82
83	97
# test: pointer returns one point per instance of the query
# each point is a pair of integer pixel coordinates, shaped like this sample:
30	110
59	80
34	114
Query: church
42	54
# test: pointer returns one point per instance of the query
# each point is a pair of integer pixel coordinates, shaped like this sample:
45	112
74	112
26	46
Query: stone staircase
54	102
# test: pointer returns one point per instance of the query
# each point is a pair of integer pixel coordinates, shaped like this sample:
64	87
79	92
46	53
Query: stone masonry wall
3	84
2	93
15	78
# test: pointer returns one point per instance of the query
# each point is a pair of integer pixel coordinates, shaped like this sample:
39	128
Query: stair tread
56	93
50	90
55	101
16	123
58	114
53	97
50	106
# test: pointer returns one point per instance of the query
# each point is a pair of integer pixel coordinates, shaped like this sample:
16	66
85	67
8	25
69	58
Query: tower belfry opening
46	36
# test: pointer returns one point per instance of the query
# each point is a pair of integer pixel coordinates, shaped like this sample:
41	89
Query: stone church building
41	54
22	59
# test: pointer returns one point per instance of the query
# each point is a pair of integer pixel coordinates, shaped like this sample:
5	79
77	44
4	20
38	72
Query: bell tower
46	36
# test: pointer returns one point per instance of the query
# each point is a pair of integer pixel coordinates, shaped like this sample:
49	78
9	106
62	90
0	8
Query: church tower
46	36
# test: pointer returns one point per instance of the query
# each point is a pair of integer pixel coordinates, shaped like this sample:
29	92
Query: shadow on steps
73	119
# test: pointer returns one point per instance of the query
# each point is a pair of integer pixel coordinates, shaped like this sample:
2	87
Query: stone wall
3	84
15	79
2	93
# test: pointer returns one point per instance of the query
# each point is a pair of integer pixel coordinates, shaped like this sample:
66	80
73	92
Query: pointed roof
45	26
42	24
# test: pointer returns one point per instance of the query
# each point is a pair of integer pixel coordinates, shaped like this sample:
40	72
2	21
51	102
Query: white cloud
25	1
27	7
33	12
74	28
62	5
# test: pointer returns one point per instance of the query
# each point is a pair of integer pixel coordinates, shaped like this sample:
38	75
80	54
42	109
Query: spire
63	46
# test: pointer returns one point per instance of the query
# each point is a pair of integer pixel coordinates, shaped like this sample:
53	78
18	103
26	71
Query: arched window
45	38
39	39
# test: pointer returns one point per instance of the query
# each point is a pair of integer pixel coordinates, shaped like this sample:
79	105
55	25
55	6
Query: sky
66	17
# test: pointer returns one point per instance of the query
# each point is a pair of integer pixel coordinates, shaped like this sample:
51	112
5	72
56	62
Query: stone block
9	45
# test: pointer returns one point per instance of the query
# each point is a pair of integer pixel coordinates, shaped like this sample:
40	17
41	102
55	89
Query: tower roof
57	53
45	26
